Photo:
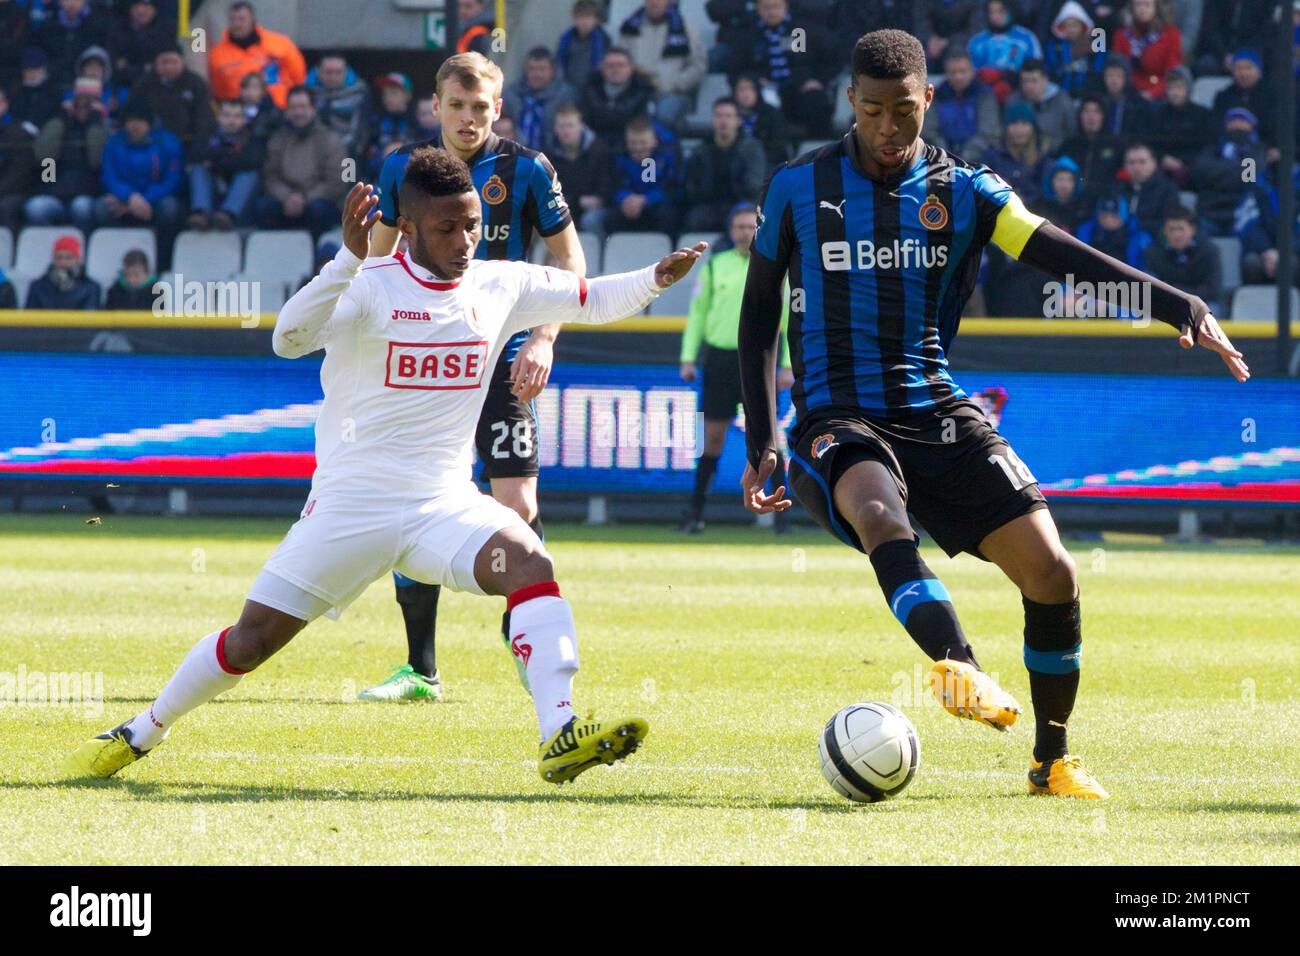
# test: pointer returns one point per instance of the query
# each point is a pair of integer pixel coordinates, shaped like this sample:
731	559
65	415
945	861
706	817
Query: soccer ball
869	752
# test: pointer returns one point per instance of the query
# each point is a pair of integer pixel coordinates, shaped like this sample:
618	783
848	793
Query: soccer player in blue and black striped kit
881	235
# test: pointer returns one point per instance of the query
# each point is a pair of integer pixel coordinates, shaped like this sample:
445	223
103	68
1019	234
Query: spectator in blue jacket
998	51
644	183
1257	228
64	285
1075	58
393	123
1020	158
1115	231
583	45
964	115
142	176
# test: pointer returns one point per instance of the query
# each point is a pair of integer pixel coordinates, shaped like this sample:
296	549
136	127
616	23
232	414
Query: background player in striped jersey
881	236
521	196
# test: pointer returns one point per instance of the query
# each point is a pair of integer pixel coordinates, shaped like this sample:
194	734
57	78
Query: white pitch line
642	767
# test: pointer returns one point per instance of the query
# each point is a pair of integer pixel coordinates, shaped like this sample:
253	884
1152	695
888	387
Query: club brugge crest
933	214
494	192
822	444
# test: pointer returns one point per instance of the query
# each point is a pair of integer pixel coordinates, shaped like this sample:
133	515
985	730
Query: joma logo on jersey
841	256
407	315
435	365
497	233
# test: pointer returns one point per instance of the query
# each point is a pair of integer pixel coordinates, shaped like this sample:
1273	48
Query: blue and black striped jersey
520	194
879	271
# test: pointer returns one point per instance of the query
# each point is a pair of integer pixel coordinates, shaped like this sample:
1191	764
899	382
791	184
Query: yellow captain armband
1013	227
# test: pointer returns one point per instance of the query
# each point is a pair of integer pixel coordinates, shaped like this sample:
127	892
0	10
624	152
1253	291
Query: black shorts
721	374
506	439
957	476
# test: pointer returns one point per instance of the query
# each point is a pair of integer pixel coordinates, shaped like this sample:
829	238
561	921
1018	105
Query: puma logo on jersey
436	365
407	315
838	207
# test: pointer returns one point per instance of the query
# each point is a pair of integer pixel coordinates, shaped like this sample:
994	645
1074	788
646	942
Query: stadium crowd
1089	109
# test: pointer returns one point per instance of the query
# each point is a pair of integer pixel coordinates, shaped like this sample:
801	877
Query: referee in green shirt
714	321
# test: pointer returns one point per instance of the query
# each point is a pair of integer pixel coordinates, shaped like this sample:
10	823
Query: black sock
1053	647
920	601
538	529
419	604
704	469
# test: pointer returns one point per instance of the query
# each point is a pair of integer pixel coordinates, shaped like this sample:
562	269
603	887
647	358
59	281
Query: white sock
202	676
543	636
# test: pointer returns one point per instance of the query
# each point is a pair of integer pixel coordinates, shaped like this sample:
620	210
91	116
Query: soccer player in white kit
410	342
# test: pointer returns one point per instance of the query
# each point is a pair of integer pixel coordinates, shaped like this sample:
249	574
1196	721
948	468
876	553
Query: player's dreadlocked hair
888	55
434	172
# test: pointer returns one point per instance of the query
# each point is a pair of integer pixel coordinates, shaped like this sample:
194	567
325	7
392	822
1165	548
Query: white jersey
408	358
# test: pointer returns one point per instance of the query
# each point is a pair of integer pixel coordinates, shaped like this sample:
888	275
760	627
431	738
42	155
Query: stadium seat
272	291
1188	199
677	299
691	238
206	255
1230	258
108	246
333	236
843	118
1206	88
626	251
20	281
700	120
1258	303
629	251
36	245
6	248
283	255
591	250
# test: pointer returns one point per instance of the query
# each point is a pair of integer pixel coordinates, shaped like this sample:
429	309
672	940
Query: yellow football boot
966	691
1064	777
582	744
104	755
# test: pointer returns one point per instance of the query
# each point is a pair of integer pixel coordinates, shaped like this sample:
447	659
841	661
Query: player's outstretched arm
304	322
531	369
759	344
550	295
1059	254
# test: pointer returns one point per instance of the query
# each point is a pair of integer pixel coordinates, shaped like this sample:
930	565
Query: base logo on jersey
933	214
494	191
436	365
822	444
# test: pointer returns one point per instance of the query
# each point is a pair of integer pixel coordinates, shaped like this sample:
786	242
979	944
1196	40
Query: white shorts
343	542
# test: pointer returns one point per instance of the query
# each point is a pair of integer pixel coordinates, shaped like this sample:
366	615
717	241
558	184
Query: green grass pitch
736	647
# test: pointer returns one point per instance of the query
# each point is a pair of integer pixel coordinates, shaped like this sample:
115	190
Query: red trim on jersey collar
440	286
542	589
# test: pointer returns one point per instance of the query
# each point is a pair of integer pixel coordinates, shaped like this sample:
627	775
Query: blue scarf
677	43
532	121
599	41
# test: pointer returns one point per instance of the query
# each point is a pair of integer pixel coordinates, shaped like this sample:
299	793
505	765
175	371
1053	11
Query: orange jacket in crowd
274	55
